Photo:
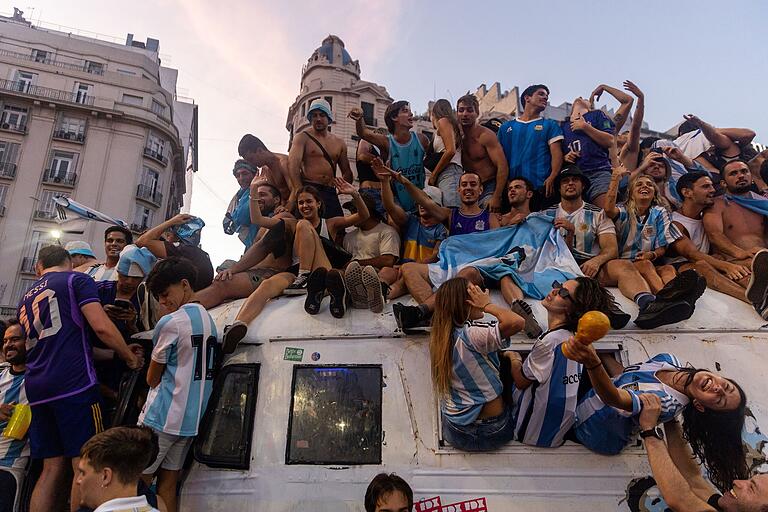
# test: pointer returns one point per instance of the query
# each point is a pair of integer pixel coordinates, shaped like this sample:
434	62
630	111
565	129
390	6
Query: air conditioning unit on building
6	126
57	179
68	135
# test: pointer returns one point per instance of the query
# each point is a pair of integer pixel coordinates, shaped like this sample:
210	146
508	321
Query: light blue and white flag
532	253
65	204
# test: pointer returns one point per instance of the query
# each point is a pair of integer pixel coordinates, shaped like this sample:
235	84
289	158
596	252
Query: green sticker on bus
293	354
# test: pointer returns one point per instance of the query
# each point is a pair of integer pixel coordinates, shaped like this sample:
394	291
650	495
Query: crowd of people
659	219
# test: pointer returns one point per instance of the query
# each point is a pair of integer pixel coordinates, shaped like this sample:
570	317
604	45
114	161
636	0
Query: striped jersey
59	353
13	453
606	429
100	272
546	410
185	341
649	232
589	222
475	380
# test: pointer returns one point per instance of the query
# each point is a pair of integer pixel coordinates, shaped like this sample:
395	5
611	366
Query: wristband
594	367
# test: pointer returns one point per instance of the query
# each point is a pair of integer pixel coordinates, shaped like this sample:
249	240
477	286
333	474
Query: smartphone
657	150
124	304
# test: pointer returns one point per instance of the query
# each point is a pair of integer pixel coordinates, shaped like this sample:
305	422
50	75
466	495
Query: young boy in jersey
14	454
180	372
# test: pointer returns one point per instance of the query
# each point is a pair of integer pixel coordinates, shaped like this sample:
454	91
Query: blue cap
189	232
135	261
321	105
78	247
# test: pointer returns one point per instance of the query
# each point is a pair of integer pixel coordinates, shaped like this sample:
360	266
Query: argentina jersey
545	411
186	342
589	223
646	234
606	429
13	453
475	380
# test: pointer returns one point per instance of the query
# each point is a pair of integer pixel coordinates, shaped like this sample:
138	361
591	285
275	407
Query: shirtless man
273	166
481	153
313	158
519	194
738	232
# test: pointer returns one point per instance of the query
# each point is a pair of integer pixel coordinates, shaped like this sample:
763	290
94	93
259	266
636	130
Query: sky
241	60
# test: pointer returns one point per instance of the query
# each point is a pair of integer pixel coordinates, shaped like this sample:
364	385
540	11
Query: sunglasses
561	291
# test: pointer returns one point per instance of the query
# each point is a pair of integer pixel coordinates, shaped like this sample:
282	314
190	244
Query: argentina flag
65	204
531	253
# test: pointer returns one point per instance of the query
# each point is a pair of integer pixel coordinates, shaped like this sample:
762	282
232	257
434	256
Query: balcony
7	170
139	228
78	138
92	69
18	127
157	156
147	194
63	179
35	91
45	215
28	265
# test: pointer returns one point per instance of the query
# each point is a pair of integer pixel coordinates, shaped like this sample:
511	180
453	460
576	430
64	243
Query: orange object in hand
592	326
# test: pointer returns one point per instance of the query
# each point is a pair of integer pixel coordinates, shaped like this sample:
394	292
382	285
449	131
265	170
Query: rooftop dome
326	49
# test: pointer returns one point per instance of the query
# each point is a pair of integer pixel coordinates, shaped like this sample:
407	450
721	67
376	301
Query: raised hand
343	186
694	120
572	156
355	114
182	218
477	297
595	96
634	89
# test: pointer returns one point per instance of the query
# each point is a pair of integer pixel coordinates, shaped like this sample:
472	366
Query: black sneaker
315	291
757	289
688	285
298	286
334	283
532	328
232	336
664	312
616	315
409	317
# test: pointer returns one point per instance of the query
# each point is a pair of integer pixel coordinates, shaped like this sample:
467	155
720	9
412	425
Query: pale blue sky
241	60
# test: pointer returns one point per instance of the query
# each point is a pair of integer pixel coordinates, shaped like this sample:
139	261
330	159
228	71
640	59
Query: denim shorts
489	187
448	183
481	436
599	180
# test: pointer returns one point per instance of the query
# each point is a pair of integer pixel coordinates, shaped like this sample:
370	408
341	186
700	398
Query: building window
156	145
303	110
3	196
82	92
142	218
158	108
130	99
95	68
9	153
126	72
70	128
329	99
24	285
62	163
14	118
25	80
368	116
46	208
40	56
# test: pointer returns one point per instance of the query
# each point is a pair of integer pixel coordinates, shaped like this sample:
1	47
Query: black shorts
61	427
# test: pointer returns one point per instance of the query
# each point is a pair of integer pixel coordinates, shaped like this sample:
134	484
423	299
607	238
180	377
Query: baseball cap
79	247
572	170
322	105
435	194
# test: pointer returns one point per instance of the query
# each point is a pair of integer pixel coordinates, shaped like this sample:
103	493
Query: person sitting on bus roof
388	493
237	219
713	409
678	476
545	412
519	194
273	167
465	366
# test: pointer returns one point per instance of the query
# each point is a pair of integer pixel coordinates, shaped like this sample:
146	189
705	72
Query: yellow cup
19	422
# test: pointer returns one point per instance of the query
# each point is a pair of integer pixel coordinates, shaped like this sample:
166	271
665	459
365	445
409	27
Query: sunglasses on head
561	290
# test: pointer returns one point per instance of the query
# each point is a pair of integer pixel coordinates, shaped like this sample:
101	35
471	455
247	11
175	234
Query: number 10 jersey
59	354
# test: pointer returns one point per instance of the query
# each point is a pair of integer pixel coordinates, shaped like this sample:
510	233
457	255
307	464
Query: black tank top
364	170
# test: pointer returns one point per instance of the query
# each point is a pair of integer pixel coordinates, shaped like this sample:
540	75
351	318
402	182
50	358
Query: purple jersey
593	155
59	356
461	224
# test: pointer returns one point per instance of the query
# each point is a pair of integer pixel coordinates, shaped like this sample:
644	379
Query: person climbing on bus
465	365
713	409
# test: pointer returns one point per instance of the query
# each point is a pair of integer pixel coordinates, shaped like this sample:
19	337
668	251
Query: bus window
224	440
335	415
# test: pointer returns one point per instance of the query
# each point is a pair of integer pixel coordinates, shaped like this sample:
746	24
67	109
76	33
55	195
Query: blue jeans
489	187
599	180
448	183
481	436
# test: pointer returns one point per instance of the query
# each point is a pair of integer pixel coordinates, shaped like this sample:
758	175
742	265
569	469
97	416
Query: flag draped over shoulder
532	253
65	204
754	202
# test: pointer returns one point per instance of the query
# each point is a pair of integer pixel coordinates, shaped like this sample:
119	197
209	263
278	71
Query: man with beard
519	194
481	153
13	453
115	240
737	227
313	158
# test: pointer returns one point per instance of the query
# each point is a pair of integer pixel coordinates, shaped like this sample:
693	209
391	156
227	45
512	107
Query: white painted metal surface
723	334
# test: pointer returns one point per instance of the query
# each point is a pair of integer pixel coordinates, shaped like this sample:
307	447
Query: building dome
327	50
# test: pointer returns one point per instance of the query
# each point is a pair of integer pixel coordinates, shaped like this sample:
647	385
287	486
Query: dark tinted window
335	415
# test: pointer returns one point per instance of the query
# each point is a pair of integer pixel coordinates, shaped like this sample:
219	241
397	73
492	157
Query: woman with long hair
713	409
465	366
446	159
546	383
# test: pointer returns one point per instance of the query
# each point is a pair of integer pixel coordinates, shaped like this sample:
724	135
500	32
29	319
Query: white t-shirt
378	241
135	504
693	143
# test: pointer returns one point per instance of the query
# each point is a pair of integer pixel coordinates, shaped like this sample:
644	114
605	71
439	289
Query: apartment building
88	119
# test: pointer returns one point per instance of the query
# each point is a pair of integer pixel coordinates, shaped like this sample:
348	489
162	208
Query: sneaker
532	328
688	285
374	298
758	280
232	336
298	286
409	317
334	283
616	315
315	291
664	312
353	279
